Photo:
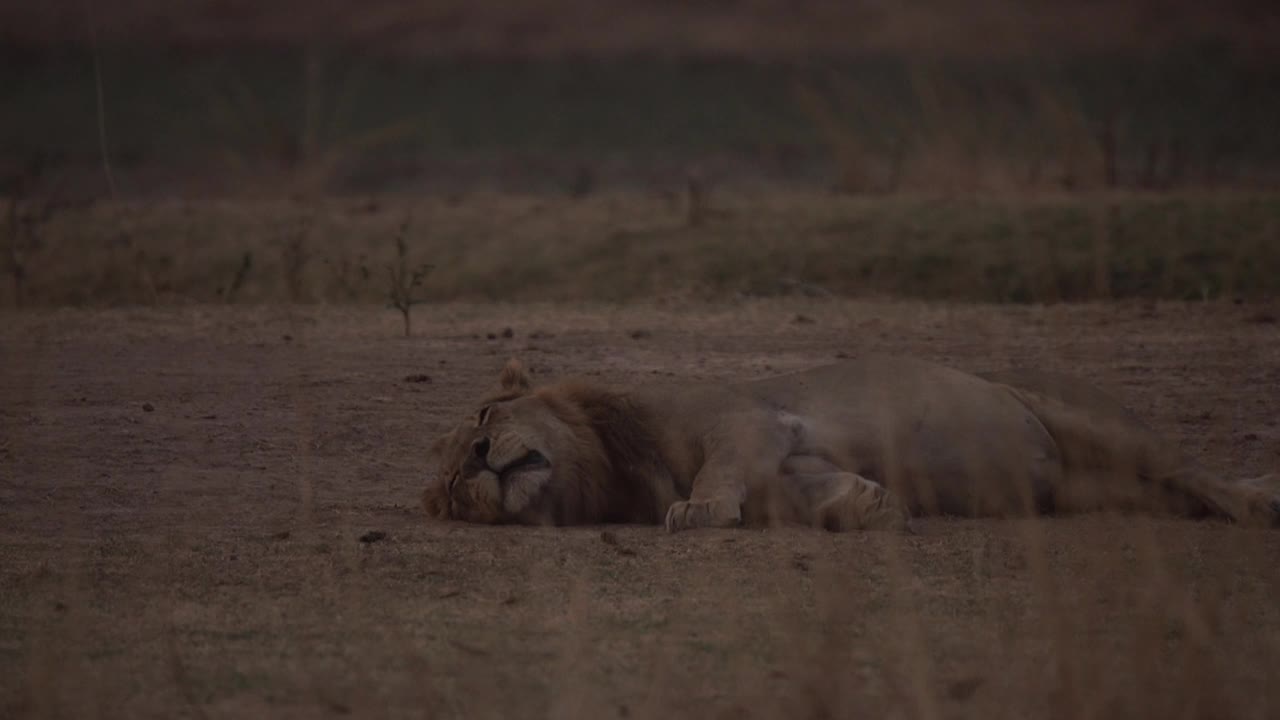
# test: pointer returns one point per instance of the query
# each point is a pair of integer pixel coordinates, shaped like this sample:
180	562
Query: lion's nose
480	448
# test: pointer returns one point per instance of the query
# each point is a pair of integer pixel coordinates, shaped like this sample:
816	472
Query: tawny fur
863	444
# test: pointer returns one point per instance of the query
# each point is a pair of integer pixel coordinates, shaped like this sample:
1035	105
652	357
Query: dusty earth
212	512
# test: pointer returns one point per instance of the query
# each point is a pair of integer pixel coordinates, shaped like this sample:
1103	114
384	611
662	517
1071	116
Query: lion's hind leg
1191	492
1113	462
859	504
1259	503
841	501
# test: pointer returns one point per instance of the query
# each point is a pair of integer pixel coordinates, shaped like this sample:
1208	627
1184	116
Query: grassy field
283	175
619	247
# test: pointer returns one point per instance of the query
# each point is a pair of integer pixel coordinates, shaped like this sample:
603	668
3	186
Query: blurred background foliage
1158	115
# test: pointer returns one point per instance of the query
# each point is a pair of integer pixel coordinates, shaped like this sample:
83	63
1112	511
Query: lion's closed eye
483	416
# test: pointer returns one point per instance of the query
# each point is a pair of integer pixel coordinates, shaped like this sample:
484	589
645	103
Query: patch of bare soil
212	512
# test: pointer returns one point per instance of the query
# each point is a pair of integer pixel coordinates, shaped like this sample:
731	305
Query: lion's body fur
864	443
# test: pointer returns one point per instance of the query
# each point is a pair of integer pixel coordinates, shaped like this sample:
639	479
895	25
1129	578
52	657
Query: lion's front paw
686	515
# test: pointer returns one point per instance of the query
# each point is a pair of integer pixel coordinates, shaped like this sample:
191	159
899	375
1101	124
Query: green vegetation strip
632	246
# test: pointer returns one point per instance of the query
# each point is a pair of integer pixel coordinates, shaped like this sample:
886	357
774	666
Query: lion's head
526	456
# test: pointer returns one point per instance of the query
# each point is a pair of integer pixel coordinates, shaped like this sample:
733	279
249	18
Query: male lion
862	444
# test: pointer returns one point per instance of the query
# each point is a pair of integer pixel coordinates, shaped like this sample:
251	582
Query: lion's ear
514	377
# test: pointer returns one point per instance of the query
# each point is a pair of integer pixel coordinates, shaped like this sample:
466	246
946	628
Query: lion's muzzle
500	478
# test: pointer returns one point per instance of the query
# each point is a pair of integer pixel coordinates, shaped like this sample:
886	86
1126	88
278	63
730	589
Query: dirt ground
213	512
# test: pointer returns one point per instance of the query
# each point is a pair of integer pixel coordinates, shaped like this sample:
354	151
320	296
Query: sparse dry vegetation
624	246
405	278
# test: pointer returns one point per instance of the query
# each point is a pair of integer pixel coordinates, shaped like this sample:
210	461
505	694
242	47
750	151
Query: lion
868	443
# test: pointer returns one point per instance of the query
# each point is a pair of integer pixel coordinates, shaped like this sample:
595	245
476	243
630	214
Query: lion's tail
1112	460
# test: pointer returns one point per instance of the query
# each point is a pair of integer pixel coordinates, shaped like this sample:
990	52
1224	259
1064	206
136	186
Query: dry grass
205	559
625	246
959	131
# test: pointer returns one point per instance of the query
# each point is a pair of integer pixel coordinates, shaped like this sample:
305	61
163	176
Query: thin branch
102	115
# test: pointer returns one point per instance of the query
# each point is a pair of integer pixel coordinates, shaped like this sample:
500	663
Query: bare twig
101	104
181	677
404	279
697	193
24	218
17	268
295	258
242	273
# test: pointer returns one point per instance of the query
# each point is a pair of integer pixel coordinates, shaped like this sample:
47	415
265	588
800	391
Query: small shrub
405	279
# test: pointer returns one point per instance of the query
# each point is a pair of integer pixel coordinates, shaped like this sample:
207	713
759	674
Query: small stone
964	689
609	538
